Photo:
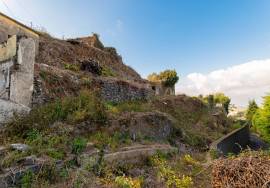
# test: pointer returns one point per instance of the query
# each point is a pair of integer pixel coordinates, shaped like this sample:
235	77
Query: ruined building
18	44
162	90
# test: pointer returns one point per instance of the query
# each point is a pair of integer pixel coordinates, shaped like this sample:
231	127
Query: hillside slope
61	53
96	123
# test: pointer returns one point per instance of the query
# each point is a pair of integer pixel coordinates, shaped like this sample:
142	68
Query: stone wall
116	90
17	58
233	142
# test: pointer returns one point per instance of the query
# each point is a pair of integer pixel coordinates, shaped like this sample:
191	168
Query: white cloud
241	82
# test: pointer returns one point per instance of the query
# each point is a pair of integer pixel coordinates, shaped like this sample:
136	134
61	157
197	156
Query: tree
252	108
168	77
211	101
220	98
261	119
154	77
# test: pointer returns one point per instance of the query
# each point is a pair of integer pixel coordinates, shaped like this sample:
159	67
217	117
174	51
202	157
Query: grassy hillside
72	132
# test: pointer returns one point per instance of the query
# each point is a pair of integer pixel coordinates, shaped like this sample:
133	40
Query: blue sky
191	36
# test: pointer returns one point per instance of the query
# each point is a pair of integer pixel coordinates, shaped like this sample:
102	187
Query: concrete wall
10	27
17	58
233	142
21	86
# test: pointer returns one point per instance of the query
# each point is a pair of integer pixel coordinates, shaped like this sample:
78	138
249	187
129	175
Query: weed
103	139
27	179
127	182
167	174
72	67
86	106
78	145
189	160
214	154
106	71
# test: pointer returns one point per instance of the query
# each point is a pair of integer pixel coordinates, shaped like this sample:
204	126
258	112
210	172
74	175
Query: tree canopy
261	119
218	98
168	77
252	108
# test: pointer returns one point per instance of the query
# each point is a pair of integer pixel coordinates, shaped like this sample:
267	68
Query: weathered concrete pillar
21	84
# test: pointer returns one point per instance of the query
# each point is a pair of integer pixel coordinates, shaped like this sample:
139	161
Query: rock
91	66
154	125
20	147
30	160
137	154
90	147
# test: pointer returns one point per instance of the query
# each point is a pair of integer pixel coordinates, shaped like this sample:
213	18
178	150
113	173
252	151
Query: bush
127	182
261	119
168	77
166	173
252	108
78	145
86	106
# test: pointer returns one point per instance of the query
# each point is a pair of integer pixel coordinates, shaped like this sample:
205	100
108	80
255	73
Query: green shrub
106	71
27	179
251	111
103	139
78	145
129	106
167	174
127	182
168	77
72	67
261	119
86	106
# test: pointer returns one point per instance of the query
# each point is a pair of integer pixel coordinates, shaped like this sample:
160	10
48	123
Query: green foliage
54	146
72	67
78	145
154	77
225	101
252	108
261	119
218	98
127	182
27	179
214	154
168	77
103	139
130	106
106	71
86	106
210	101
167	174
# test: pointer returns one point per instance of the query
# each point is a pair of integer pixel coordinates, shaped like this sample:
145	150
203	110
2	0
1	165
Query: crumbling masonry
18	45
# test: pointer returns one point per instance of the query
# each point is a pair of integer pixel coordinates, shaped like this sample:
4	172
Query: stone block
8	49
21	87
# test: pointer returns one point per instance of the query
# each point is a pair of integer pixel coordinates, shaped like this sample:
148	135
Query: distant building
161	90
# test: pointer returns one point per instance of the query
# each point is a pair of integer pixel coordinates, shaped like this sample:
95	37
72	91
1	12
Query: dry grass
250	169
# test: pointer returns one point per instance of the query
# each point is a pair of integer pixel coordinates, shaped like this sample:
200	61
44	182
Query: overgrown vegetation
251	111
217	99
86	106
167	174
261	119
168	77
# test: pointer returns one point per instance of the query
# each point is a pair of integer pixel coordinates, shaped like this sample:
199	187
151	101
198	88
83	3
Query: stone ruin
17	58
